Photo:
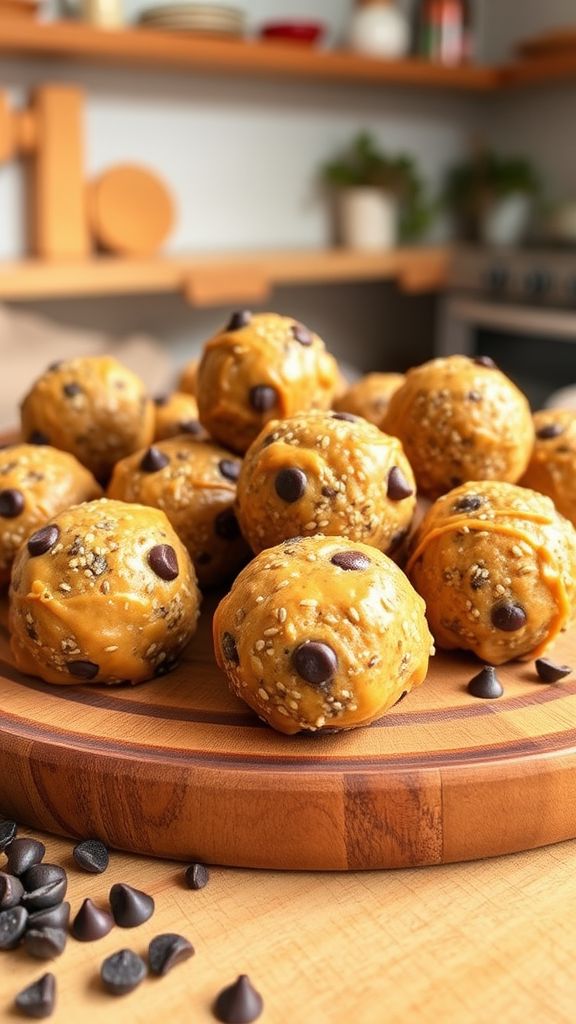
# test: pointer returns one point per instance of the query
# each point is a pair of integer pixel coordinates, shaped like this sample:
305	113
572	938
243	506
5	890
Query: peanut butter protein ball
370	396
261	367
321	634
496	566
104	593
177	414
552	468
461	419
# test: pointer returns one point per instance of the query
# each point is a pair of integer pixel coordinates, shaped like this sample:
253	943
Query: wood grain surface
180	768
466	943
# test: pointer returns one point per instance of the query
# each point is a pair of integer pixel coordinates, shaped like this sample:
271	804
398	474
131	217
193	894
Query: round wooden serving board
179	768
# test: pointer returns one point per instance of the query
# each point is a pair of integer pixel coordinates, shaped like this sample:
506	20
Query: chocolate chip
8	831
302	334
91	922
193	427
11	891
345	416
229	649
508	616
161	400
22	854
328	492
398	486
52	917
226	525
11	503
71	390
549	672
486	684
197	875
153	461
12	927
315	662
55	365
122	972
263	397
45	943
83	669
239	1003
92	856
37	437
38	999
42	540
45	886
165	951
469	503
229	469
241	318
474	396
163	561
549	430
42	874
130	907
351	560
485	361
290	484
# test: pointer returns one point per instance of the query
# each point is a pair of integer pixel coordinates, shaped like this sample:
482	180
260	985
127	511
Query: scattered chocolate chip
290	484
38	999
45	943
165	951
42	874
469	503
71	390
163	561
229	469
11	503
486	684
239	1003
153	461
229	649
226	525
12	926
197	875
474	396
83	669
11	891
315	662
344	416
130	907
161	400
508	616
122	972
398	486
263	397
42	540
549	430
8	831
22	854
549	672
486	361
241	318
92	856
45	894
52	917
37	437
351	560
302	334
91	922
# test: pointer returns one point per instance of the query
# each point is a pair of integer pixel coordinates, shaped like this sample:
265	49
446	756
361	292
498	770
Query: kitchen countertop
476	942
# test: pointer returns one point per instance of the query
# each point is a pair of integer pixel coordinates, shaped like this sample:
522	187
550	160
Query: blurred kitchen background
481	169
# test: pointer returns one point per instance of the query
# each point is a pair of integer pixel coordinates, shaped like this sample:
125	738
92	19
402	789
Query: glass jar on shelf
444	31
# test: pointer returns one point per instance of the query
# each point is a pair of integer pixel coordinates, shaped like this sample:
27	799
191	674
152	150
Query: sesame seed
281	614
263	694
320	721
311	525
308	602
354	615
111	648
260	645
271	631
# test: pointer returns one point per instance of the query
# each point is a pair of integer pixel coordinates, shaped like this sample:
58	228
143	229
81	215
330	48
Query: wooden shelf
147	47
211	279
540	71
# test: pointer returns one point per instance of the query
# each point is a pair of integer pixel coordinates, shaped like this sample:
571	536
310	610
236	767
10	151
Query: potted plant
493	197
379	198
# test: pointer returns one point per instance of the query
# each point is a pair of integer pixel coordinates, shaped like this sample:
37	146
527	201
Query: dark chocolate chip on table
42	874
229	469
122	972
83	669
351	561
91	922
130	906
12	927
45	943
165	951
38	999
315	662
239	1003
11	891
549	431
22	854
42	540
549	672
508	616
8	831
11	503
49	895
92	856
163	561
398	487
290	484
486	684
241	318
153	460
51	917
263	397
197	876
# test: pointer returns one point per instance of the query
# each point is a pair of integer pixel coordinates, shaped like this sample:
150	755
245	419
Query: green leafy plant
364	165
475	184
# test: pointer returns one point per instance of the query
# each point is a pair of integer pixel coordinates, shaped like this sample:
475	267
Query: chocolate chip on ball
42	540
263	397
315	662
11	503
508	616
350	560
290	484
163	561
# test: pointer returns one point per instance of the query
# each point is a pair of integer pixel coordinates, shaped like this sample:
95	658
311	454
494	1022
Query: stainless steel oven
518	306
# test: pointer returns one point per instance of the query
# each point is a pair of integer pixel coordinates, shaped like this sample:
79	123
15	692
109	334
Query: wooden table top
455	944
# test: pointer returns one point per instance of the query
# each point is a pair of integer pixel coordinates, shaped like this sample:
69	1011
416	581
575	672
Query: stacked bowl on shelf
214	19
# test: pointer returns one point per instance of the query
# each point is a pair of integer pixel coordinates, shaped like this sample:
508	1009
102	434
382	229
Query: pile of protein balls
265	468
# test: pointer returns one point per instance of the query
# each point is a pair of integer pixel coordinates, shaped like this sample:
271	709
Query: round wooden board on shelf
130	209
178	767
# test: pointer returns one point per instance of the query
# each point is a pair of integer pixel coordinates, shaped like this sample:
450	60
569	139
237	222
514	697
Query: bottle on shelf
379	29
443	31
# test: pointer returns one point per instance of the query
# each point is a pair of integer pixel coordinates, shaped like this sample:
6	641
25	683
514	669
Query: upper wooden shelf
147	47
540	71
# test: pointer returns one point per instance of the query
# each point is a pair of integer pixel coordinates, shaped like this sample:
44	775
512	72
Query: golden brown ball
370	396
177	414
188	380
552	468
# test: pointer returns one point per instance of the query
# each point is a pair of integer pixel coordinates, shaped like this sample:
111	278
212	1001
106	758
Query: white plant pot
368	218
379	30
506	221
